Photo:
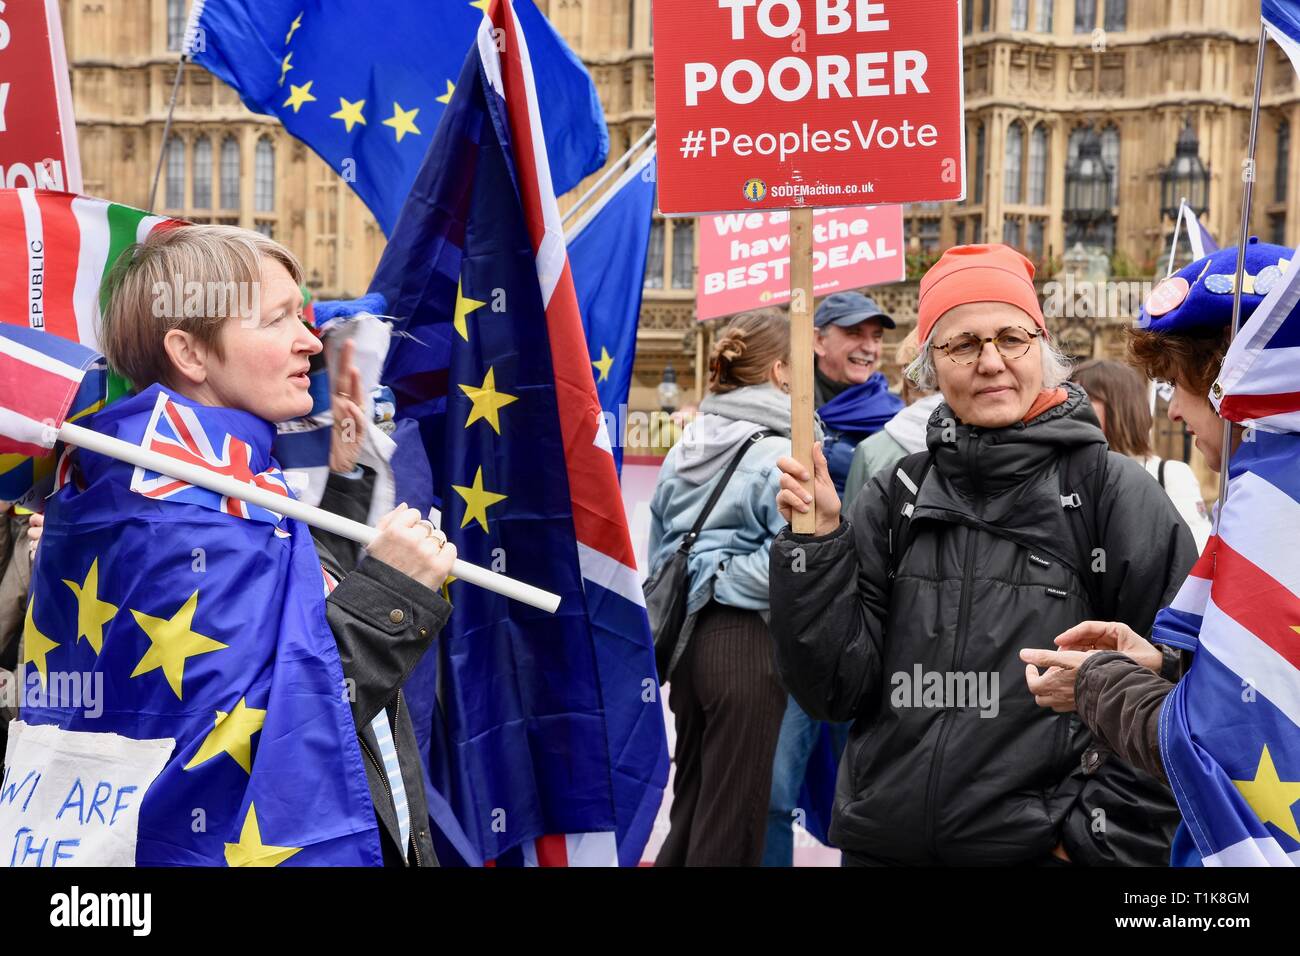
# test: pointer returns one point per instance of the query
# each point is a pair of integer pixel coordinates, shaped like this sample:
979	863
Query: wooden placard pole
801	353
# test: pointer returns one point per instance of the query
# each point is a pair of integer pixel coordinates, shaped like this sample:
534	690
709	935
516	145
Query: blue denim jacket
729	559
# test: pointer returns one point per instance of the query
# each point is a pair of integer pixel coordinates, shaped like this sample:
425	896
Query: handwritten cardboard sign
70	798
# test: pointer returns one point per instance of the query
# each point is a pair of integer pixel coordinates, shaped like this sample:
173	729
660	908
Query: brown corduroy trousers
728	705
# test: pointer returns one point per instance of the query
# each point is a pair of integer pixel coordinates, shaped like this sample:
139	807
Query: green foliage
918	263
1122	266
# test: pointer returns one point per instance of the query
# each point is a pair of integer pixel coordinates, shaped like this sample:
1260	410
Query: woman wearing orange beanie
907	614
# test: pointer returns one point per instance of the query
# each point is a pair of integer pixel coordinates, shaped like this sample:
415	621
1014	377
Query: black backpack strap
1082	509
689	541
904	485
1160	472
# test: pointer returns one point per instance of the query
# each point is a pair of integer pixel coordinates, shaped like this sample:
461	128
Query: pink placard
745	257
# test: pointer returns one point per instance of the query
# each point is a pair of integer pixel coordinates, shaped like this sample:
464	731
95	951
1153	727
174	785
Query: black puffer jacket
989	571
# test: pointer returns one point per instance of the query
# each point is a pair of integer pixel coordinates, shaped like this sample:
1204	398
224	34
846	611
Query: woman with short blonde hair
189	279
207	324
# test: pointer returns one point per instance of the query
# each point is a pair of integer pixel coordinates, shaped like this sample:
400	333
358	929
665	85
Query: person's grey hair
1056	365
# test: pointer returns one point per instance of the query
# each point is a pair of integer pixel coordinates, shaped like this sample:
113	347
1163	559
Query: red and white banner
745	257
38	135
780	103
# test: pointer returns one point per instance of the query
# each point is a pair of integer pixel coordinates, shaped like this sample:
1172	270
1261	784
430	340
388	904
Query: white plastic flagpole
609	174
337	524
1178	225
637	167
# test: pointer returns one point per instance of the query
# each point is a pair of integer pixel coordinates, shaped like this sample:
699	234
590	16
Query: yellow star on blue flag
464	306
604	364
35	644
172	642
251	851
488	402
298	95
402	121
1272	798
477	500
349	113
92	613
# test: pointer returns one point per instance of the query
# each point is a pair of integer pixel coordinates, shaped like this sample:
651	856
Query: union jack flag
176	431
540	720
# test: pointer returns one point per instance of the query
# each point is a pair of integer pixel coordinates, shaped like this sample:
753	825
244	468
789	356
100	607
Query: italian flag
55	249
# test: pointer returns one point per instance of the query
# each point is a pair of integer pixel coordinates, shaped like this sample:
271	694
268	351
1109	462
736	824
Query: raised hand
792	497
349	418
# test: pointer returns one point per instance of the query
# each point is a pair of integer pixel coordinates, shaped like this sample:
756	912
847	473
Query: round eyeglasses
1012	343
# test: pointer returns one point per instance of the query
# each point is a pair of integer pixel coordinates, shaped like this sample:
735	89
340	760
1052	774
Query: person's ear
819	344
188	356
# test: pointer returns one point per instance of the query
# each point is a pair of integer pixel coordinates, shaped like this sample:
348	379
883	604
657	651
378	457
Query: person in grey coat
908	614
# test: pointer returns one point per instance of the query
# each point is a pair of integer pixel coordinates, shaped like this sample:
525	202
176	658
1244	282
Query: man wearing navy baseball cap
852	397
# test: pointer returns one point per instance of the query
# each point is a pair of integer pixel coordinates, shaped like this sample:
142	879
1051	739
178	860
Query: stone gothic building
1060	95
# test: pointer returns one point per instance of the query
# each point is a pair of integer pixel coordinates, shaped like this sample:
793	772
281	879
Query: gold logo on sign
755	190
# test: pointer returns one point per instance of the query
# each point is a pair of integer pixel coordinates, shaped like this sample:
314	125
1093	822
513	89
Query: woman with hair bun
726	697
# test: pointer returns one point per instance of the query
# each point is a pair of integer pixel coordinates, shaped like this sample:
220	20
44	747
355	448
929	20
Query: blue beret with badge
1197	299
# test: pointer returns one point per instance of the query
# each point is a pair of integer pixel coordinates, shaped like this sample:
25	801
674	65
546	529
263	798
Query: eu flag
365	84
186	617
546	733
607	251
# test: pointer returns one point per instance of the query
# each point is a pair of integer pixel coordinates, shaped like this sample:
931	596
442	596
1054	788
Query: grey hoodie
729	559
909	426
725	421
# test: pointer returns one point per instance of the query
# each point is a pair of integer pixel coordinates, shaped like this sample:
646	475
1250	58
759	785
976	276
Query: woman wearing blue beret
1202	731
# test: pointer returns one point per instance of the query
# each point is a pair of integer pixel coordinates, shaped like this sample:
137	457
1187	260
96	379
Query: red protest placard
781	103
38	135
745	257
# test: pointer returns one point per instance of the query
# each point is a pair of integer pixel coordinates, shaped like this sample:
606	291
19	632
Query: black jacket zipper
383	778
410	824
959	642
